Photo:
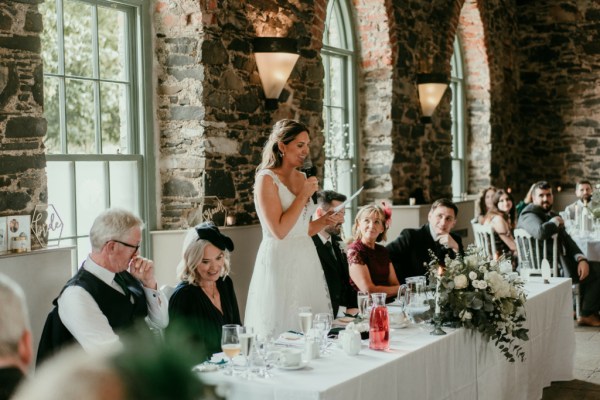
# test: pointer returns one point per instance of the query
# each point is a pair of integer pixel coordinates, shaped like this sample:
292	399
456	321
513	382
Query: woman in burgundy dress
369	262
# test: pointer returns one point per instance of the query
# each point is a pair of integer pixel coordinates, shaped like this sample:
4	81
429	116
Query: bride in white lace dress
287	273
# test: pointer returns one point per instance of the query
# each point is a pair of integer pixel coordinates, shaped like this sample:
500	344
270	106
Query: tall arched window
339	104
459	180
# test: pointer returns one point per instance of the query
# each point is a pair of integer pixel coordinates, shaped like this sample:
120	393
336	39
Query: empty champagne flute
230	343
306	319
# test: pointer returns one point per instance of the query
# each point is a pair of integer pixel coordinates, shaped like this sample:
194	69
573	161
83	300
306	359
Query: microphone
310	170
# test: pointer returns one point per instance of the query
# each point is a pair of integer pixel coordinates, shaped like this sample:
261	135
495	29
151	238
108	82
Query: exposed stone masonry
22	127
532	97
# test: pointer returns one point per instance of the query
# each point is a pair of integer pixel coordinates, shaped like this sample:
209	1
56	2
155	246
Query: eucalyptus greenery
474	294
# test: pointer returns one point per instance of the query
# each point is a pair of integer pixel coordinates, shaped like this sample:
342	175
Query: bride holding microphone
287	273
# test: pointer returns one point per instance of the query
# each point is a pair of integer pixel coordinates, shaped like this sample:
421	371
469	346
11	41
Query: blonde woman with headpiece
369	262
205	300
287	273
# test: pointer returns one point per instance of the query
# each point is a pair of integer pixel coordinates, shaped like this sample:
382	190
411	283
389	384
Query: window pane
333	33
124	190
112	43
78	38
114	118
91	187
60	182
52	115
337	140
336	74
81	127
83	249
49	36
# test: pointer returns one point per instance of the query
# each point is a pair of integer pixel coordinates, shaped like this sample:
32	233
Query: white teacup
289	358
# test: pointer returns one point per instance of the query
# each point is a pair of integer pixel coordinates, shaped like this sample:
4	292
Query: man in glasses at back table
113	288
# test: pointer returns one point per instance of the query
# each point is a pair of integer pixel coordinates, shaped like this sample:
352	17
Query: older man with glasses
114	287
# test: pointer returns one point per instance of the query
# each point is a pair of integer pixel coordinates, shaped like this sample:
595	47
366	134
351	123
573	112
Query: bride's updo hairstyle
284	131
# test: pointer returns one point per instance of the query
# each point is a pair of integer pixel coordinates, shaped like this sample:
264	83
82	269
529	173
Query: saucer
302	364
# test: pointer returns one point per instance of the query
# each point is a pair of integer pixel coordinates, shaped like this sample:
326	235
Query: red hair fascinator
387	210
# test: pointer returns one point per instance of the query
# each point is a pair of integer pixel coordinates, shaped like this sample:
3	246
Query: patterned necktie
120	280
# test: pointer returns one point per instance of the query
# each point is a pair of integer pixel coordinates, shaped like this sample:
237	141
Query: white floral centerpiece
474	294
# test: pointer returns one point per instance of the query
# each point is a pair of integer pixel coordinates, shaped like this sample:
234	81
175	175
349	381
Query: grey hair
113	224
193	251
14	318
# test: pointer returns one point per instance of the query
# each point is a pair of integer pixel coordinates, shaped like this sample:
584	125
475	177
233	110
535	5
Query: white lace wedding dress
287	274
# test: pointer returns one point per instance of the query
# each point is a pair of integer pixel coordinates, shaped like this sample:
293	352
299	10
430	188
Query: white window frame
139	125
459	126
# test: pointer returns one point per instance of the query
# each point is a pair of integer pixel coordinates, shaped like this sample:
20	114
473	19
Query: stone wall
212	116
22	127
530	110
559	95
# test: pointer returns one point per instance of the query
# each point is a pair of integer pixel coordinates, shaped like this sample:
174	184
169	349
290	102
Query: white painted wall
167	249
41	274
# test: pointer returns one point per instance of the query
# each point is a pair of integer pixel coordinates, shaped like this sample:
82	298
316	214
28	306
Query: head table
459	365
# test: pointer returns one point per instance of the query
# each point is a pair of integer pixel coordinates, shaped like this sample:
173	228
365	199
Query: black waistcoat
118	309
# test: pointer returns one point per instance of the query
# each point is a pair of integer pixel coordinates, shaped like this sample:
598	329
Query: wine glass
306	318
230	344
323	322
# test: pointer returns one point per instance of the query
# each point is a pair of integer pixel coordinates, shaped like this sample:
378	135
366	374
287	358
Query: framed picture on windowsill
3	235
18	233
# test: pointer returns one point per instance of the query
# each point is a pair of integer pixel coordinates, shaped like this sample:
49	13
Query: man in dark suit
16	352
542	223
333	258
409	252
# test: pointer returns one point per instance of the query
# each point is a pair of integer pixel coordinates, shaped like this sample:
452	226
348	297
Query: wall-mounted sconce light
431	89
275	59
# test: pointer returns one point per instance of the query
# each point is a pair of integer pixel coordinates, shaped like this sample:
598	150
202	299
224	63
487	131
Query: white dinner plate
294	367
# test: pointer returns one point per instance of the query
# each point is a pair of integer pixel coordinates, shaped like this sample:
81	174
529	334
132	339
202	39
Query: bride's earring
282	154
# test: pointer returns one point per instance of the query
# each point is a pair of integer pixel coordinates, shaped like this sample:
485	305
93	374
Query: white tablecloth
590	245
458	365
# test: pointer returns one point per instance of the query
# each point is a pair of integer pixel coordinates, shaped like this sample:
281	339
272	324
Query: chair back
533	251
484	239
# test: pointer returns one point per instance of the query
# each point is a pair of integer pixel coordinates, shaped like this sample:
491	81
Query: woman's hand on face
311	185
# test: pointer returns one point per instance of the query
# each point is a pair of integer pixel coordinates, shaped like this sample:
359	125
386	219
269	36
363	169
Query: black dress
10	377
191	306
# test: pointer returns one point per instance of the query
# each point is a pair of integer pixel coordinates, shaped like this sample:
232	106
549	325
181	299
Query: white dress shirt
82	316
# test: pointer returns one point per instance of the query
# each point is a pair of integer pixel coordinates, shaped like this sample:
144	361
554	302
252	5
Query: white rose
460	281
472	275
465	315
482	284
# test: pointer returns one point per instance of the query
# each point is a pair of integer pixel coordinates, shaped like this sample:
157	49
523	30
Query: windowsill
8	254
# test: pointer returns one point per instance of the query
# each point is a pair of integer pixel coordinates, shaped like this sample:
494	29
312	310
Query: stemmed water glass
323	322
230	343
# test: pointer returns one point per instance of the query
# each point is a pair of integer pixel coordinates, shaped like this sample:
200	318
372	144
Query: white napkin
292	339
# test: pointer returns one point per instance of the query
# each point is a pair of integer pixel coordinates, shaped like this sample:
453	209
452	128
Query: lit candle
437	295
231	220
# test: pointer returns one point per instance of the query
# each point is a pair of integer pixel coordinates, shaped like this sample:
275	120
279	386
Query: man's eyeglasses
136	247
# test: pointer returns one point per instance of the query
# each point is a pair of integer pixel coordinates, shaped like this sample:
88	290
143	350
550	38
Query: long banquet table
459	365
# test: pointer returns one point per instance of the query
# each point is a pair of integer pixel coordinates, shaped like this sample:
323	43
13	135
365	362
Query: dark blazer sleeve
536	223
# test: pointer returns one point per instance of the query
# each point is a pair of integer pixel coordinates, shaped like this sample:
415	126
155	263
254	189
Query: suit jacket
336	274
409	252
537	223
